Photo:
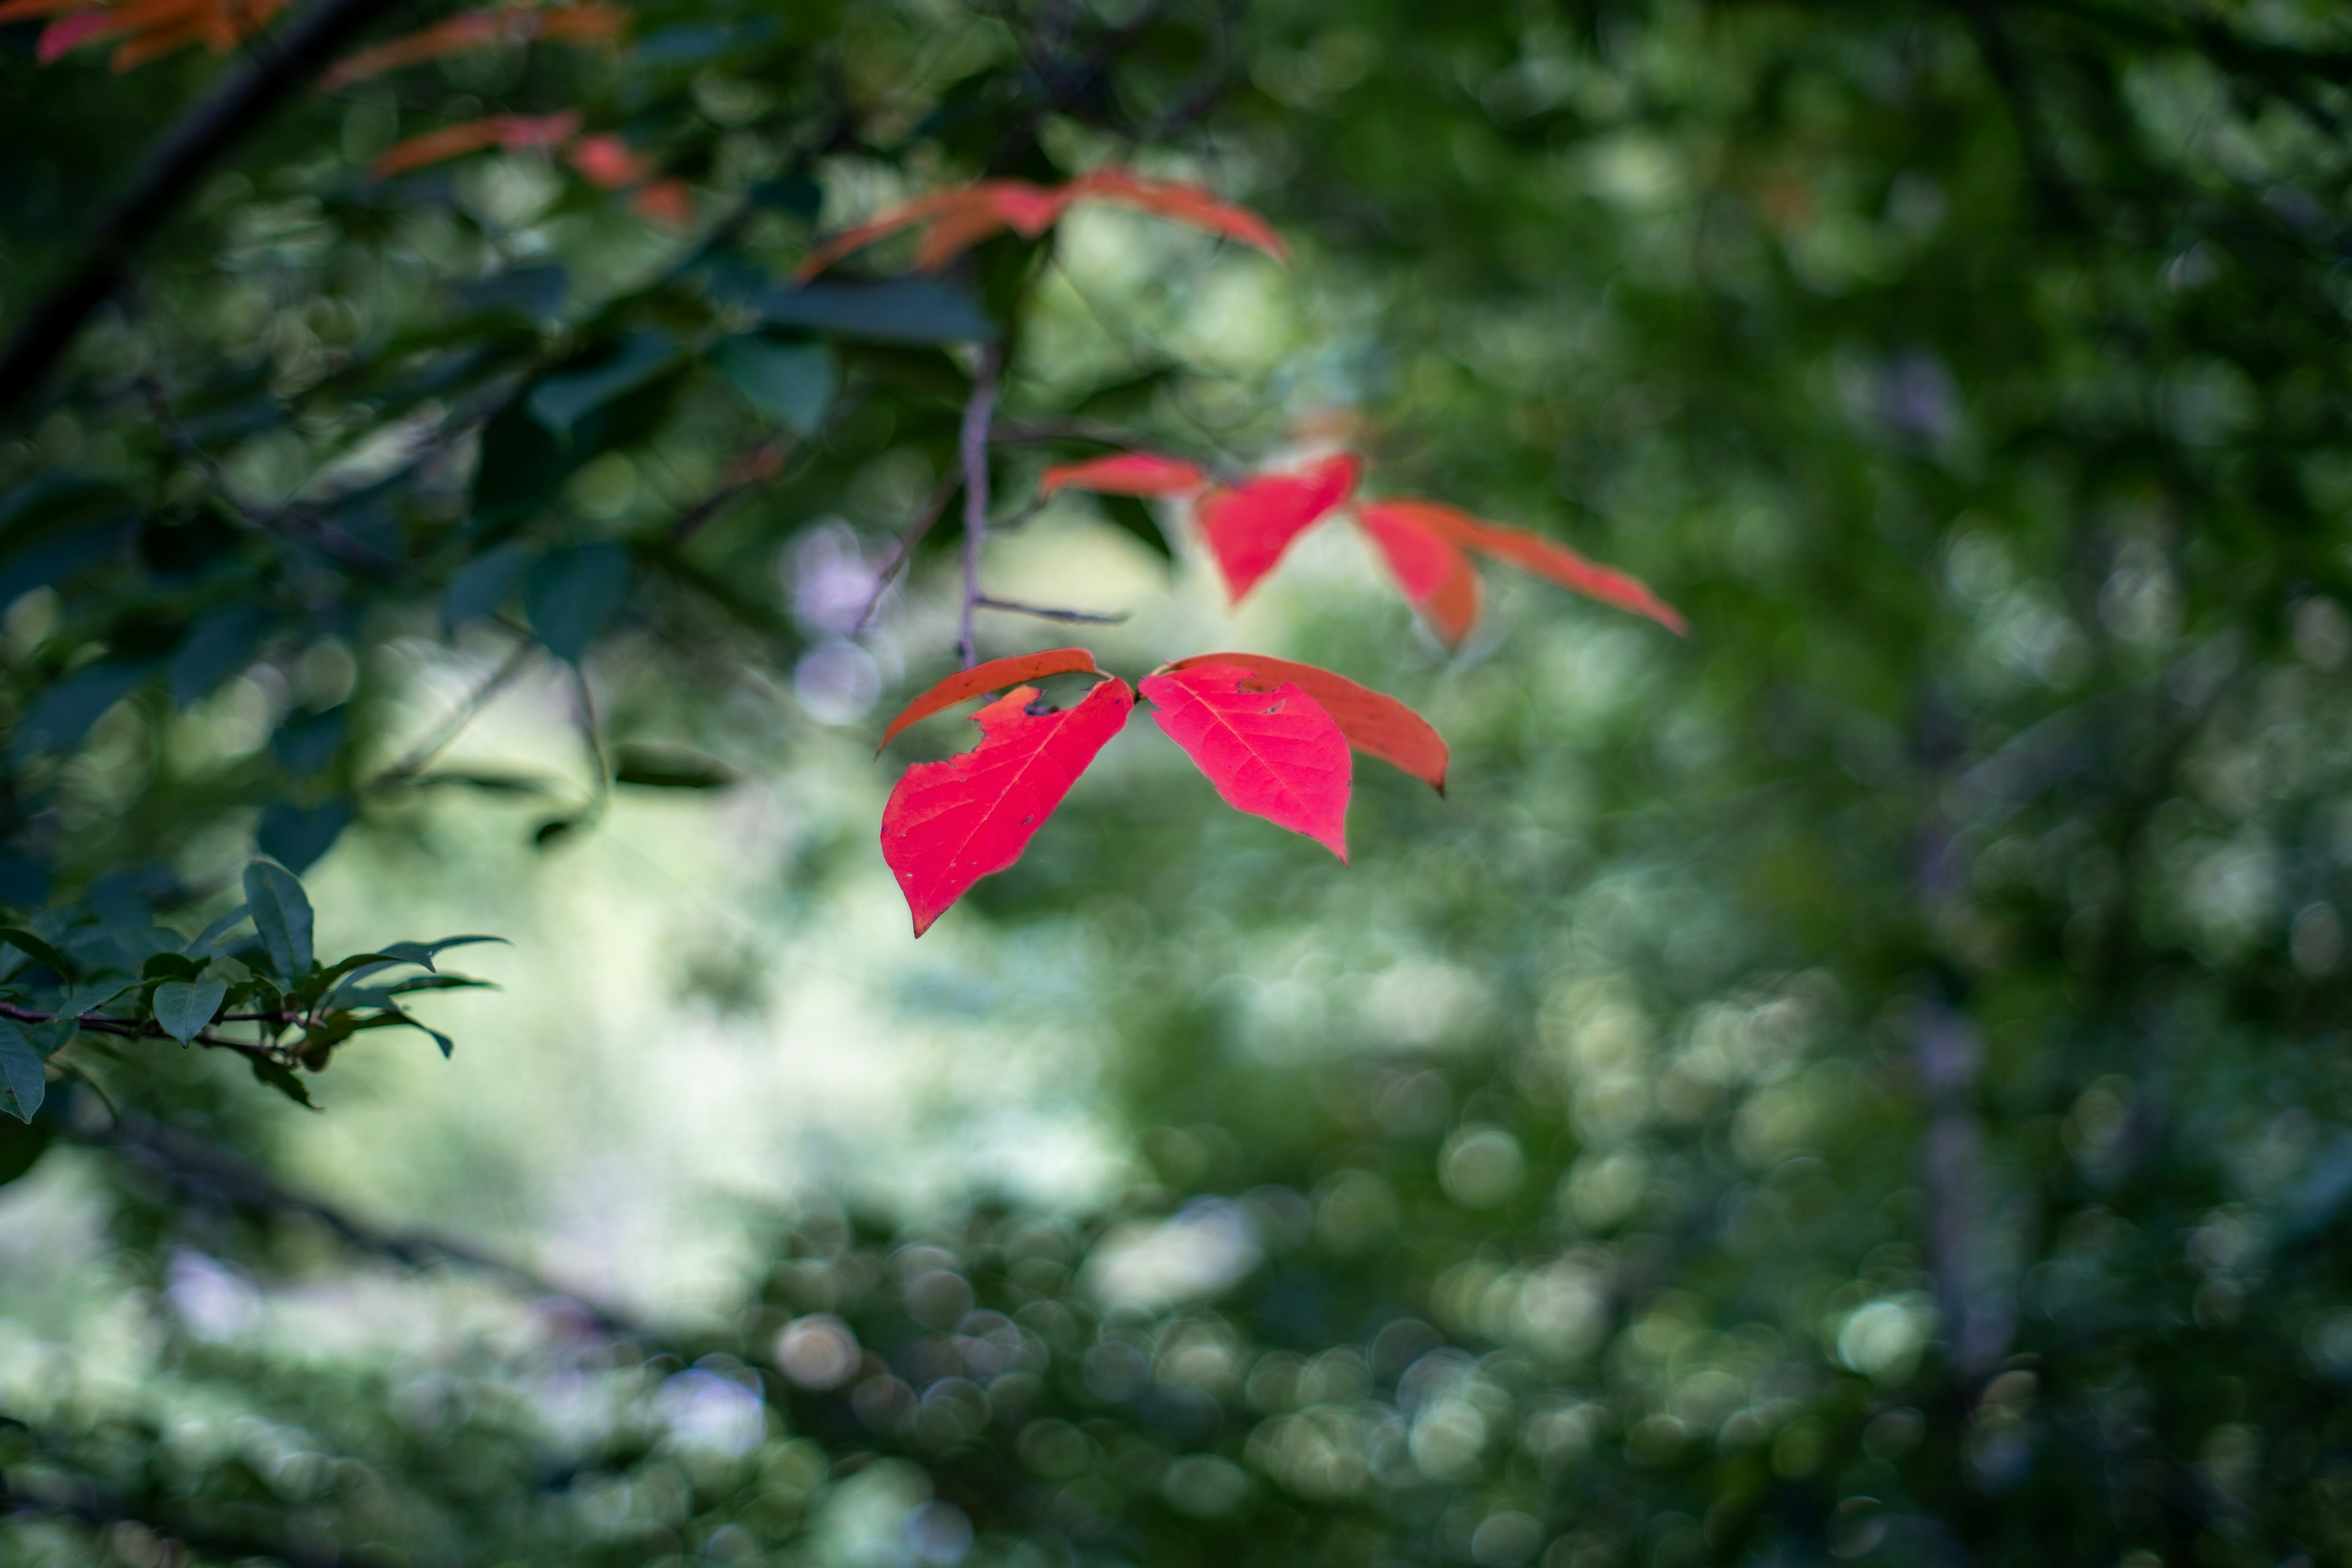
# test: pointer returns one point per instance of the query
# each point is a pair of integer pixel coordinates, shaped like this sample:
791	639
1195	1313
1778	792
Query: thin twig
421	757
977	414
100	1023
173	172
763	462
1047	613
941	495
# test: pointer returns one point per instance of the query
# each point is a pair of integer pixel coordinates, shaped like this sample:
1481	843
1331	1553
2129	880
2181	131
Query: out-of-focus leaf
898	310
991	675
281	913
536	292
484	585
305	742
21	1144
572	593
23	1080
64	713
214	938
217	645
562	399
184	1006
792	383
296	835
1250	526
425	952
34	948
669	767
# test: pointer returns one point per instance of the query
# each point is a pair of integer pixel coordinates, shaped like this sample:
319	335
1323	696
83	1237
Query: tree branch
1047	613
977	413
172	172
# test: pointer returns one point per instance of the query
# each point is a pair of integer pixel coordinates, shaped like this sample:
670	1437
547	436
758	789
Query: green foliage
1867	1085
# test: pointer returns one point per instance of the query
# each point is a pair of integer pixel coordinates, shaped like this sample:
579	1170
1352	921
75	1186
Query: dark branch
977	414
1047	613
172	170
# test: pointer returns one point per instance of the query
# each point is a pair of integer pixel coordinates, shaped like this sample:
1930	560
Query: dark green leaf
669	767
184	1006
33	947
23	1082
898	310
297	834
63	715
486	582
425	952
560	400
23	1143
170	966
283	1081
214	937
792	383
572	593
281	913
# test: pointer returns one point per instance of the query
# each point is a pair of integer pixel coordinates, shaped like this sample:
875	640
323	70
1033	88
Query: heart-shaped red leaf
994	675
951	823
1276	754
1125	474
1434	573
1374	723
1250	526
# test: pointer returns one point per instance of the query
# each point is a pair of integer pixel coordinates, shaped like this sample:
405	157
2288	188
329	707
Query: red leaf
994	675
1250	526
593	22
1553	562
1187	205
961	220
667	201
951	823
1435	575
1125	474
1276	754
609	162
1374	723
508	131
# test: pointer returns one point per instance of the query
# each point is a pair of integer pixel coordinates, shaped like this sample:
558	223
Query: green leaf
296	835
214	937
283	1081
33	947
64	712
89	997
23	1083
792	383
485	584
899	311
423	953
667	767
572	593
281	913
170	966
559	401
21	1145
184	1006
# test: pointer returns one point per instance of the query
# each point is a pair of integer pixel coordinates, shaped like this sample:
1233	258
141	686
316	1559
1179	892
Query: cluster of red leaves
1273	737
603	159
1427	546
519	22
141	30
954	221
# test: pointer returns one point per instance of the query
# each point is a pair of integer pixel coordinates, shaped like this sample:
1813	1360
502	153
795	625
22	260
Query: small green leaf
184	1006
33	947
559	401
23	1083
283	1081
89	997
22	1146
669	767
425	952
554	829
572	593
281	913
214	937
170	966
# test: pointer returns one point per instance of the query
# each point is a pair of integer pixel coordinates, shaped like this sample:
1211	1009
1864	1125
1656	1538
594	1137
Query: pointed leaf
1125	474
283	1081
951	823
23	1083
1251	525
1533	553
513	132
34	947
1374	723
184	1006
423	953
1276	754
214	938
1179	203
960	218
281	913
994	675
1434	573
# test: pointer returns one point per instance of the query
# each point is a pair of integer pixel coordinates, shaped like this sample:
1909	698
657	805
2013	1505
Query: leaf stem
1047	613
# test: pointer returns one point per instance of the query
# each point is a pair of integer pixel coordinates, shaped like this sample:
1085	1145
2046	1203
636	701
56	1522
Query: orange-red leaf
68	34
1374	723
1251	525
1554	562
951	823
1125	474
994	675
589	22
608	160
1274	754
508	131
1180	203
1432	571
667	201
963	217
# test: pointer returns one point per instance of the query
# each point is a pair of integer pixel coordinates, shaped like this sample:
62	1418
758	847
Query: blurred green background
1867	1083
